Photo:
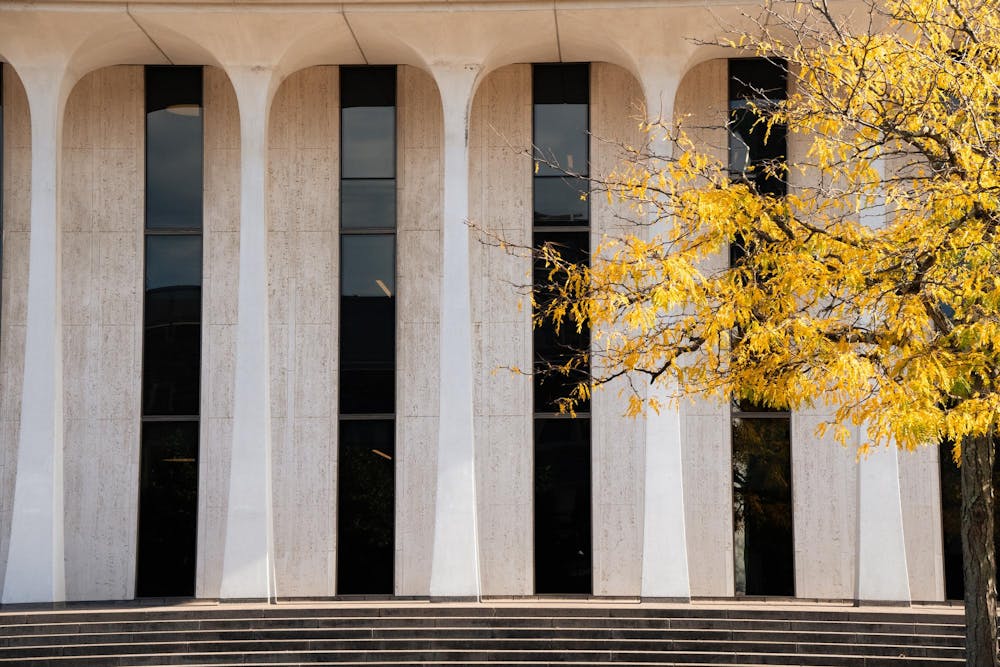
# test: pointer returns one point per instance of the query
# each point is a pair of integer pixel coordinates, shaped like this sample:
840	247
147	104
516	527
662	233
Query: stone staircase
520	633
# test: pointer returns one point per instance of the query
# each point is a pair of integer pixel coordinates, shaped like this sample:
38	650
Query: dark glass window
562	501
368	203
367	324
168	519
171	366
366	506
561	202
174	138
754	84
172	336
762	503
366	487
761	440
563	553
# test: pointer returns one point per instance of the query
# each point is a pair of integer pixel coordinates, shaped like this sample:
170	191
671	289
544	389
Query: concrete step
430	634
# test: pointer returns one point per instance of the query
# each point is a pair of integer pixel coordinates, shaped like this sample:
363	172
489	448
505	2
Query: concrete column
455	557
248	564
35	561
664	535
882	568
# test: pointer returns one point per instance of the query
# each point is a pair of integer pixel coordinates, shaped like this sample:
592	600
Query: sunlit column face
171	373
366	446
562	500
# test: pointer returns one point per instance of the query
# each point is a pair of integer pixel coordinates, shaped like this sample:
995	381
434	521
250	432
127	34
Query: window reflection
366	459
366	507
172	332
367	324
761	443
562	499
173	147
563	561
762	503
171	365
168	519
368	204
561	201
561	137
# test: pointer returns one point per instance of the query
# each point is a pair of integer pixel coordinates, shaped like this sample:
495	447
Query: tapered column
247	570
664	536
455	558
35	561
882	567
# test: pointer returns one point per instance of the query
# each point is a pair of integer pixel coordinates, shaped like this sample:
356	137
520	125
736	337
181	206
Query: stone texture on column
221	247
500	205
882	568
13	298
102	300
35	559
701	104
455	558
824	473
824	509
248	561
617	441
418	285
304	274
920	495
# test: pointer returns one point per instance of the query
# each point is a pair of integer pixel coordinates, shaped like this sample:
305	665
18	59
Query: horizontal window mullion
783	414
561	415
368	231
560	228
367	416
173	231
170	418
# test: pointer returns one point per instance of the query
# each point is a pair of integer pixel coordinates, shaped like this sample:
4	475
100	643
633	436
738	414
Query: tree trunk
978	552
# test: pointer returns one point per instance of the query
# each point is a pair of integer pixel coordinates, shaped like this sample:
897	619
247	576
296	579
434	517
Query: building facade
251	348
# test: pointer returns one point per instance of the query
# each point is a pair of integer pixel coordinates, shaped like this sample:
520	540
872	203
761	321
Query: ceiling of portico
646	37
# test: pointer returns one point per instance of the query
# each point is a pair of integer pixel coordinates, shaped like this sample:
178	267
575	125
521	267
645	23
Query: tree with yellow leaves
870	284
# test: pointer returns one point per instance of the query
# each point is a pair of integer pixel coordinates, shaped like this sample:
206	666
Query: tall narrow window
366	450
171	360
563	560
761	438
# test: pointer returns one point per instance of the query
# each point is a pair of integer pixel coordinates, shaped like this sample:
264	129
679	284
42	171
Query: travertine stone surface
418	286
13	286
824	478
218	335
102	248
303	267
500	203
701	105
825	506
617	441
303	167
920	495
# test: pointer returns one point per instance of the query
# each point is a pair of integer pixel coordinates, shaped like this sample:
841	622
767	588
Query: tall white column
882	567
247	570
455	558
664	535
35	560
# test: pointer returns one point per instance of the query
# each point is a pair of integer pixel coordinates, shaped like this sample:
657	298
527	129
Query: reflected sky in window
173	261
174	168
368	262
